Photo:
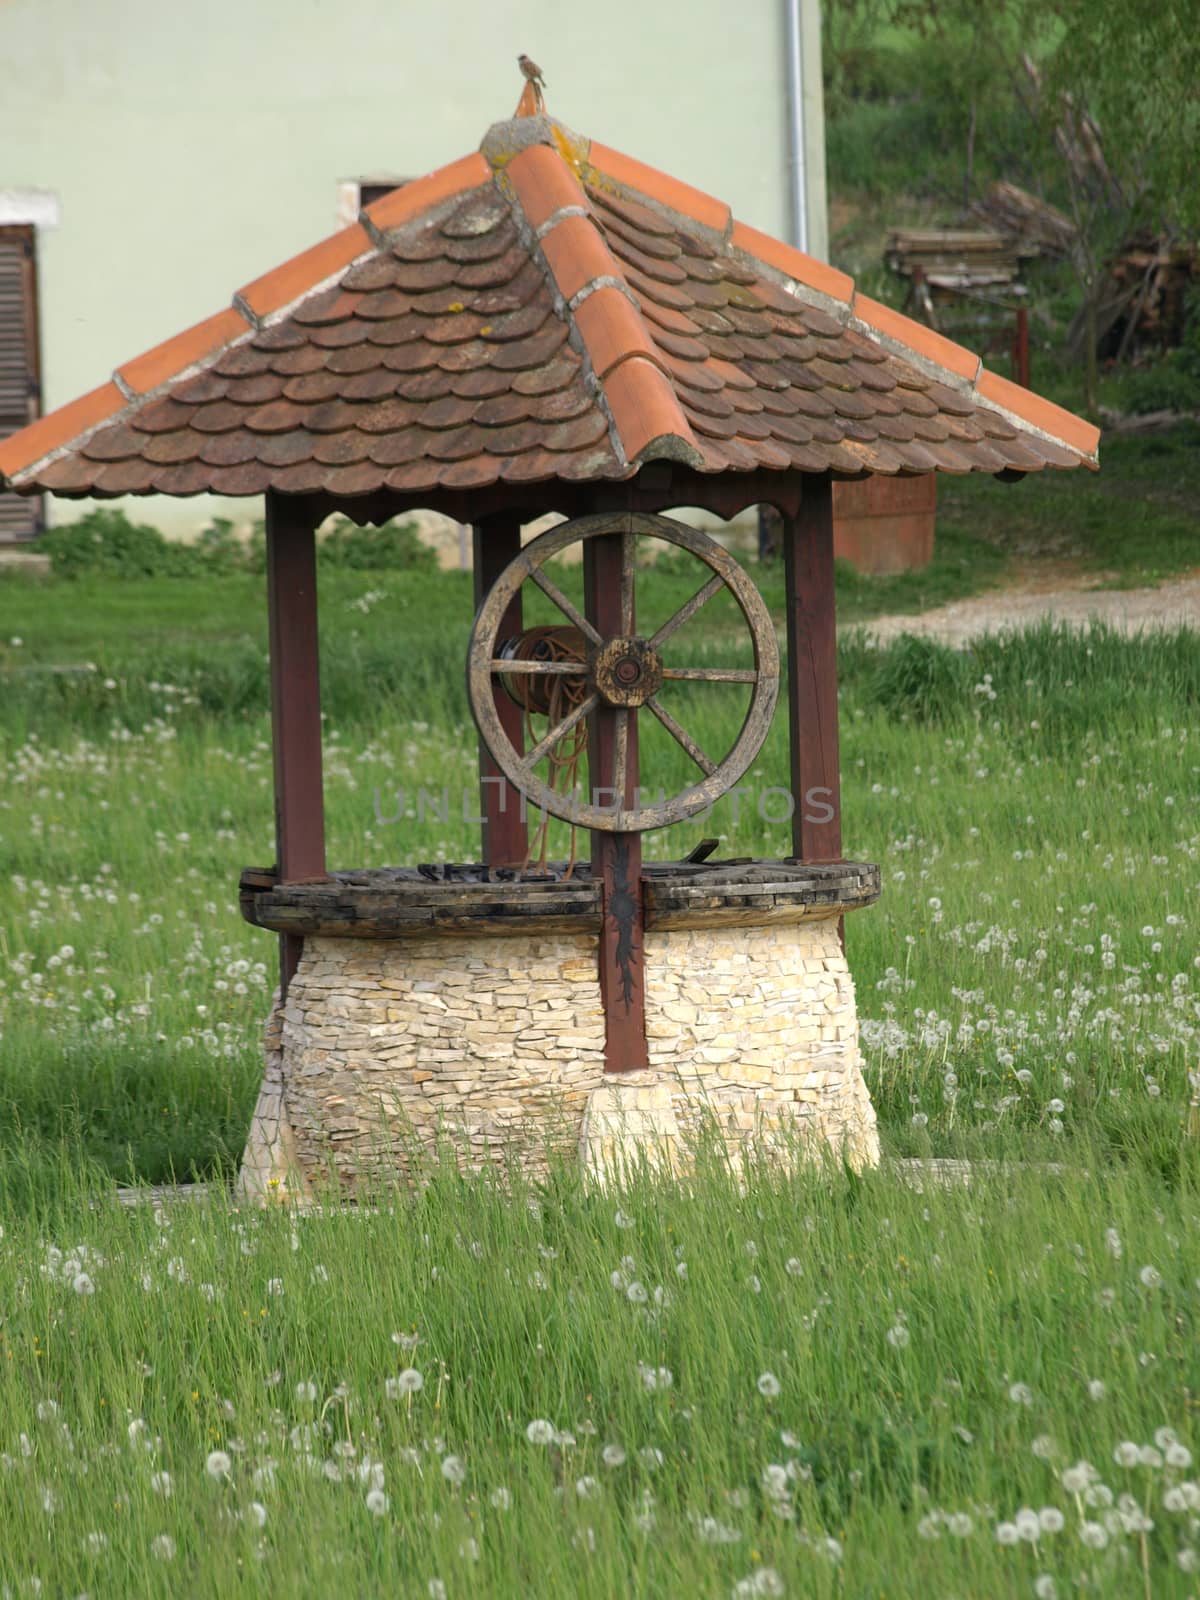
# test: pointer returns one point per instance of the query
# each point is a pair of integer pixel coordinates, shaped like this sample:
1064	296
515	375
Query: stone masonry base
496	1045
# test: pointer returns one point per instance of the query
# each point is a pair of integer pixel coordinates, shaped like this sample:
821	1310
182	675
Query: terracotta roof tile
60	427
167	360
303	272
785	258
444	346
607	165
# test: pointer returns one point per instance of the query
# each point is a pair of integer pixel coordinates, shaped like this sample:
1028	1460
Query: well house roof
543	309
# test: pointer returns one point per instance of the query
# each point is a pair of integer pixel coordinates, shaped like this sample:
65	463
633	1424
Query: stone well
468	1006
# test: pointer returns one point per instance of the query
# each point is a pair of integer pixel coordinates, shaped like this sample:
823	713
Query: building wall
190	148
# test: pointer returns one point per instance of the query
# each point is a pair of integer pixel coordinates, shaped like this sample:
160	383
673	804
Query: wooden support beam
295	702
497	540
616	857
812	674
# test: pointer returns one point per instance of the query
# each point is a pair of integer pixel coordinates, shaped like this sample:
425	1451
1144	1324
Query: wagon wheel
622	673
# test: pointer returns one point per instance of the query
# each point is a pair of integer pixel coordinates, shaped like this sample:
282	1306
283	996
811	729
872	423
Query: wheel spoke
552	592
583	709
683	738
628	552
561	669
712	674
688	609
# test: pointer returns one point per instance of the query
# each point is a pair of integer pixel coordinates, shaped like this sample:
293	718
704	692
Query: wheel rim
483	665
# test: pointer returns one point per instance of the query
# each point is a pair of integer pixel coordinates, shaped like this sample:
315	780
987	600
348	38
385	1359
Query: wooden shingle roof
544	309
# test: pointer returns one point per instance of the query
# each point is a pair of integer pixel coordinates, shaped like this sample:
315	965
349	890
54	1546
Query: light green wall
193	146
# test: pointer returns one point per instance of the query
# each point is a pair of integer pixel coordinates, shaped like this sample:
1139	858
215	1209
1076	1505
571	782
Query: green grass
857	1389
1028	993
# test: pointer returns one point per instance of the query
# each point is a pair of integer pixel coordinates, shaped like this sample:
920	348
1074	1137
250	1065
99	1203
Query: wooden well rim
411	902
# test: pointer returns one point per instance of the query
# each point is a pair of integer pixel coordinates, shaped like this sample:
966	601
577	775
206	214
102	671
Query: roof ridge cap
558	226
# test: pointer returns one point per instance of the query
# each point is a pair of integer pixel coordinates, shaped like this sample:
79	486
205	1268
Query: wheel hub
626	671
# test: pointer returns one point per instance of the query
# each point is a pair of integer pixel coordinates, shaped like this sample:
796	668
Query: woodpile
1033	227
1144	302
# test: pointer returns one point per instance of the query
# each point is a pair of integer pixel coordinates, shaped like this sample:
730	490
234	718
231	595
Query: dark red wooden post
1021	348
812	674
616	857
505	834
295	701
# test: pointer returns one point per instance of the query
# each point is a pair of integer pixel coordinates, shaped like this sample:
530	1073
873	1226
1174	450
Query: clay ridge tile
402	205
166	360
648	415
544	184
1030	408
785	258
915	338
605	163
25	449
304	272
577	255
612	331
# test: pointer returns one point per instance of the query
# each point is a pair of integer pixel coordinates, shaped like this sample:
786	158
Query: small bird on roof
531	71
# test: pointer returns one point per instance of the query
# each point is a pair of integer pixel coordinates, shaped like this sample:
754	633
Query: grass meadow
811	1385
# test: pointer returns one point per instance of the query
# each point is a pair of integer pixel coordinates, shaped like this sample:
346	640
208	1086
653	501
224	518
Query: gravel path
1171	605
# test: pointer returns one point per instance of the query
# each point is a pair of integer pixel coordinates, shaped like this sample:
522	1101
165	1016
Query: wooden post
1021	348
295	702
616	857
812	674
505	835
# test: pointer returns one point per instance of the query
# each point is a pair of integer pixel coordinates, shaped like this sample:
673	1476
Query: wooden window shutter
20	515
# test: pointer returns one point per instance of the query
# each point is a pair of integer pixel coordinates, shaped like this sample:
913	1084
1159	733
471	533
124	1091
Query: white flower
82	1284
540	1431
769	1385
613	1455
1006	1533
1126	1454
587	1488
1044	1587
794	1266
306	1391
257	1513
1094	1535
1028	1525
46	1409
1020	1394
453	1470
95	1542
377	1502
1043	1447
1150	1278
501	1498
160	1482
218	1464
622	1221
163	1547
1075	1479
1188	1559
409	1381
469	1550
960	1524
775	1481
655	1377
1148	1456
1096	1389
636	1293
1178	1455
436	1589
1051	1519
899	1337
1112	1243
